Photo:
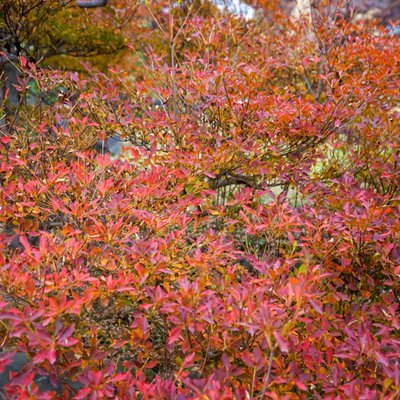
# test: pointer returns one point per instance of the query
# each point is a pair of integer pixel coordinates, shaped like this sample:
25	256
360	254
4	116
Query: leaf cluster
246	244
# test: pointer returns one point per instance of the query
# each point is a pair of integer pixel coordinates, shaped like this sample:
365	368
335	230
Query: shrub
245	246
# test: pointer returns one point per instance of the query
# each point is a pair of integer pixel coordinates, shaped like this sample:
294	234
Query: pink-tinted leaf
189	361
5	139
6	359
83	393
282	343
23	379
48	354
174	335
381	358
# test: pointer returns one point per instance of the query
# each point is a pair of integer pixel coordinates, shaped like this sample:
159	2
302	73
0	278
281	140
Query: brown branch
232	179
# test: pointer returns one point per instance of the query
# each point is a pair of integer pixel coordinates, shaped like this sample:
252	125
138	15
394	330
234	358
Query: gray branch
91	4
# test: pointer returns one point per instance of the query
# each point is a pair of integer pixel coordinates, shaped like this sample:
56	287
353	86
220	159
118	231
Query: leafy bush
246	245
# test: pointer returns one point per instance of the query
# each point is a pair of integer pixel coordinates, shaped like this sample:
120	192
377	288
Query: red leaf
300	385
283	344
174	335
317	305
105	186
23	379
188	361
47	354
6	359
83	393
23	61
151	364
381	358
43	243
24	241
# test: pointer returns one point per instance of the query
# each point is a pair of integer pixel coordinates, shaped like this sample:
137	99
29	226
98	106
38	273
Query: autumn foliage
245	246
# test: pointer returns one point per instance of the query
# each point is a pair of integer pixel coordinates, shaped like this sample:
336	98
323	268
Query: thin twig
268	375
